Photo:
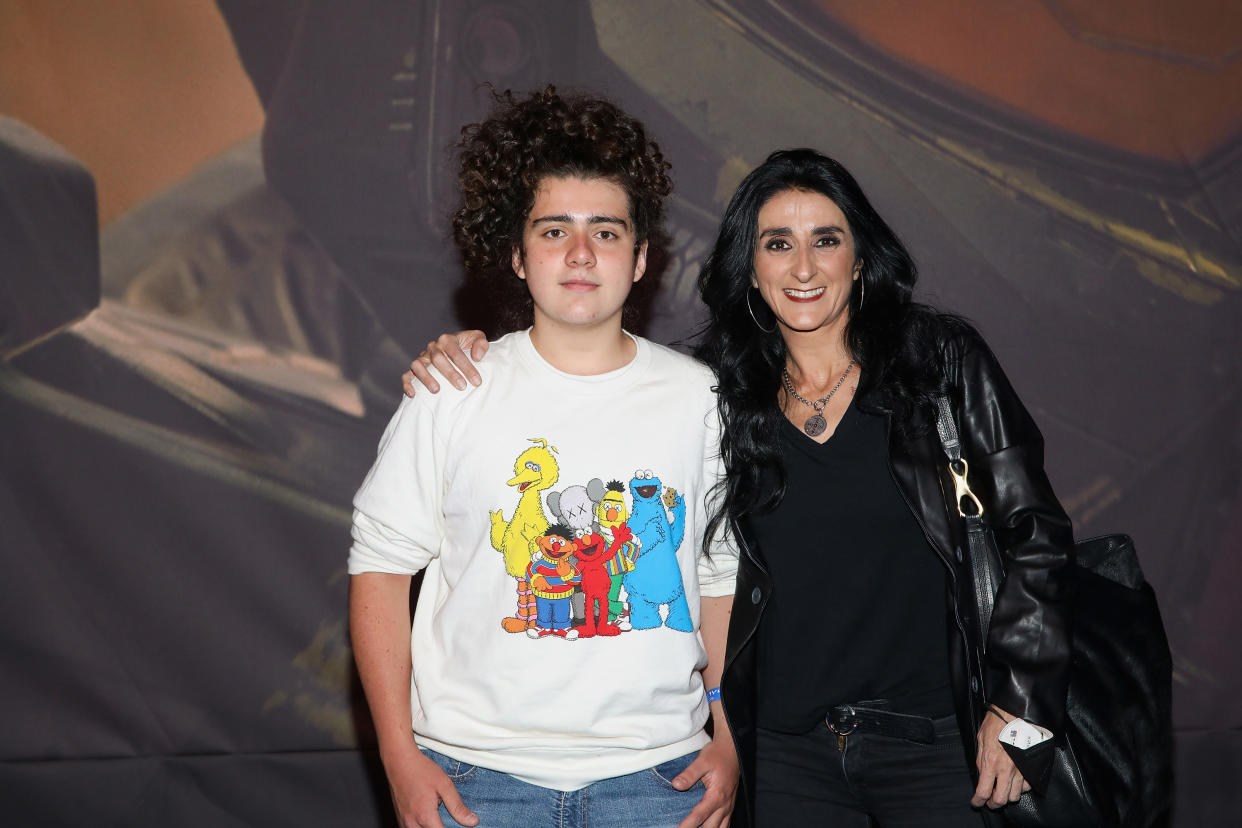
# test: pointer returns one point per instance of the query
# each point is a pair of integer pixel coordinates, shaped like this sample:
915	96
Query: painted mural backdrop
222	234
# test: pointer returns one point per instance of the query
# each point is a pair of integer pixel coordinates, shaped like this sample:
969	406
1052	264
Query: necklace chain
815	424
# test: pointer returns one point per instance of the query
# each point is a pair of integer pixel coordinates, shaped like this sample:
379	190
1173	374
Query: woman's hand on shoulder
448	353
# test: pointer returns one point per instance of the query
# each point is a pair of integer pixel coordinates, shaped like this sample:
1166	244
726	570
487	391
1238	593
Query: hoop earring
862	289
752	314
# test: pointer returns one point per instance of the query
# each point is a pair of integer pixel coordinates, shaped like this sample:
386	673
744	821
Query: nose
804	264
580	253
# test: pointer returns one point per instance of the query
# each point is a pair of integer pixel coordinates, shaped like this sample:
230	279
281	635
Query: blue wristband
713	694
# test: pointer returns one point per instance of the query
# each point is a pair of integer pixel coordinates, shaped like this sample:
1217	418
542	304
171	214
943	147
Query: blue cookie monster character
656	578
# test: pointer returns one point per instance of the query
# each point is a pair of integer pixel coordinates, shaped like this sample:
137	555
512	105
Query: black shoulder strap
948	429
985	565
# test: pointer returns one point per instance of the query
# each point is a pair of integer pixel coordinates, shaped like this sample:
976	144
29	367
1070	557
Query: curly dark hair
896	340
524	140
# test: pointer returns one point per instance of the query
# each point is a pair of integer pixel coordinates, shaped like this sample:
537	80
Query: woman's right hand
448	354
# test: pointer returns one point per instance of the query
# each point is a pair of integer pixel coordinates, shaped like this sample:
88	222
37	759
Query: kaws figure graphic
573	508
534	470
611	515
552	578
656	578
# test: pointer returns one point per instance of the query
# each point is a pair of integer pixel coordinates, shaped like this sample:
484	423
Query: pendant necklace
815	424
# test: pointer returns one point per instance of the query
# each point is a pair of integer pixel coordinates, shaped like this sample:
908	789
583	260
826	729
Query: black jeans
802	779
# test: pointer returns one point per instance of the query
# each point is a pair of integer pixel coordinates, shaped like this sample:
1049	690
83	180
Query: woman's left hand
1000	782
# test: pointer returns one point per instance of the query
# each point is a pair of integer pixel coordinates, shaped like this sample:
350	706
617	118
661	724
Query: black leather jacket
1028	645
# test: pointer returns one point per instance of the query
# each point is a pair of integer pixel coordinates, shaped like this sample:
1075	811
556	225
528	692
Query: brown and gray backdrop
222	235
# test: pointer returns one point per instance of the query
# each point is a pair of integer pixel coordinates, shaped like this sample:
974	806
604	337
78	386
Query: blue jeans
802	779
646	798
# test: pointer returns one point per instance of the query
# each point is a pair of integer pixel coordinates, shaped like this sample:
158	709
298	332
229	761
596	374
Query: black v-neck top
859	608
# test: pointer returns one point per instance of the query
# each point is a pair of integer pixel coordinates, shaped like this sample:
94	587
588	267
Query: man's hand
716	766
448	354
1000	782
418	786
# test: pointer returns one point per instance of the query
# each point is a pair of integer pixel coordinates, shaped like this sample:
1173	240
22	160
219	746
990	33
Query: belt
871	717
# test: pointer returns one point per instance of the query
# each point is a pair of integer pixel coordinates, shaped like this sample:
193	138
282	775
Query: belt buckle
841	734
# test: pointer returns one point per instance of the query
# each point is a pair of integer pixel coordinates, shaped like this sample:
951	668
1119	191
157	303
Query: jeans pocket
666	772
455	770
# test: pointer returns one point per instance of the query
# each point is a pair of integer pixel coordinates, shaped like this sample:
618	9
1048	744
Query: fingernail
459	385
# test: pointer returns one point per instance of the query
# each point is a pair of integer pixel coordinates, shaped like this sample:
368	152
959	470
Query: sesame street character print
534	471
552	578
611	515
656	578
593	551
573	507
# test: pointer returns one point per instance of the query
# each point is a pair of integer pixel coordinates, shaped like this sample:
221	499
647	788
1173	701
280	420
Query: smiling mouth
804	295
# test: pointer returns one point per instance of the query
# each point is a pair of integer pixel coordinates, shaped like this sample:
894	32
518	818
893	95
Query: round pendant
815	425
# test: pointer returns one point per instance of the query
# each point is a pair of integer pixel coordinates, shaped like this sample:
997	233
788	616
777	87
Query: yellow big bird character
534	470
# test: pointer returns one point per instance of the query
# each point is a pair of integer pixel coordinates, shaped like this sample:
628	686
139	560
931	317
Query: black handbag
1112	765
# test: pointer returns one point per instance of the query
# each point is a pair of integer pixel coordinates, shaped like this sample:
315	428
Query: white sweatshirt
460	488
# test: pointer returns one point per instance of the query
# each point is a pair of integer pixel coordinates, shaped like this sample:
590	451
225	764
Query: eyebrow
785	231
565	218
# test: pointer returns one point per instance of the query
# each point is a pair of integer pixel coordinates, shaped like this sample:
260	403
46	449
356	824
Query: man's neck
583	350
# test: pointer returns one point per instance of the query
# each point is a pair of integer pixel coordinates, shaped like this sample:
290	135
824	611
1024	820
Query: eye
554	233
532	466
776	244
606	235
827	241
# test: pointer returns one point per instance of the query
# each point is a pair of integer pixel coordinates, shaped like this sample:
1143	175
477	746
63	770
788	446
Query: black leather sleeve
1028	646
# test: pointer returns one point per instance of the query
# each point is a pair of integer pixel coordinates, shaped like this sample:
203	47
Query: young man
496	709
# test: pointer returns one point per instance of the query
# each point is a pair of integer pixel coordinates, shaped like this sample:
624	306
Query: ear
518	263
858	266
640	261
595	489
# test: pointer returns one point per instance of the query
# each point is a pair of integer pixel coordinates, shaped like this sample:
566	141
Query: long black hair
896	340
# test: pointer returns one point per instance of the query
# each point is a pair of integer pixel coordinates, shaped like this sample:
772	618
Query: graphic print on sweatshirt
618	564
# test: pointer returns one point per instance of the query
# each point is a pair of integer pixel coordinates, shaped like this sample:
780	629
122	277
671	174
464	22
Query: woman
839	500
847	681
